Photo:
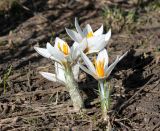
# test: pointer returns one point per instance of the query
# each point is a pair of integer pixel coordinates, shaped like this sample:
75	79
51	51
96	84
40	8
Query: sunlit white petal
111	67
49	76
42	51
86	70
99	31
75	50
103	55
78	28
84	44
74	35
88	63
123	55
58	41
60	44
77	47
56	54
96	43
108	35
87	29
59	70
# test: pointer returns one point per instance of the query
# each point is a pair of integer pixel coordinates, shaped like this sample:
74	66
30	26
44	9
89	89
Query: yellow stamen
90	34
100	68
64	48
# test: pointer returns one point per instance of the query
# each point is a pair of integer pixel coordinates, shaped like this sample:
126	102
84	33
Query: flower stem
104	91
73	89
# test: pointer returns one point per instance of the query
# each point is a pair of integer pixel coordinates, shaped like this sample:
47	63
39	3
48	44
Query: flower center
64	48
90	34
99	65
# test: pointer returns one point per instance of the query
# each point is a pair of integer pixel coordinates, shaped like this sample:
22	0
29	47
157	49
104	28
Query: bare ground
30	102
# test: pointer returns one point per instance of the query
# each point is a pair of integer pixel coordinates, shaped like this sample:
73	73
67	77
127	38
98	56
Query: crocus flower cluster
68	60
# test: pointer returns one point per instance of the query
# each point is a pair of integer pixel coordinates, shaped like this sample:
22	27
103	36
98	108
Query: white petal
96	43
108	35
42	51
74	35
59	72
75	51
75	70
99	31
123	56
83	45
49	76
88	63
61	42
77	47
75	44
86	70
87	29
111	67
78	28
103	55
56	54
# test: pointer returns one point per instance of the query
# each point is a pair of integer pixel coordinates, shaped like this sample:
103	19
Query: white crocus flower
80	34
89	41
63	54
99	69
66	67
60	53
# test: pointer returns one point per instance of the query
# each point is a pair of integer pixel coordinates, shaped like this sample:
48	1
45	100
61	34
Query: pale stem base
72	87
104	91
